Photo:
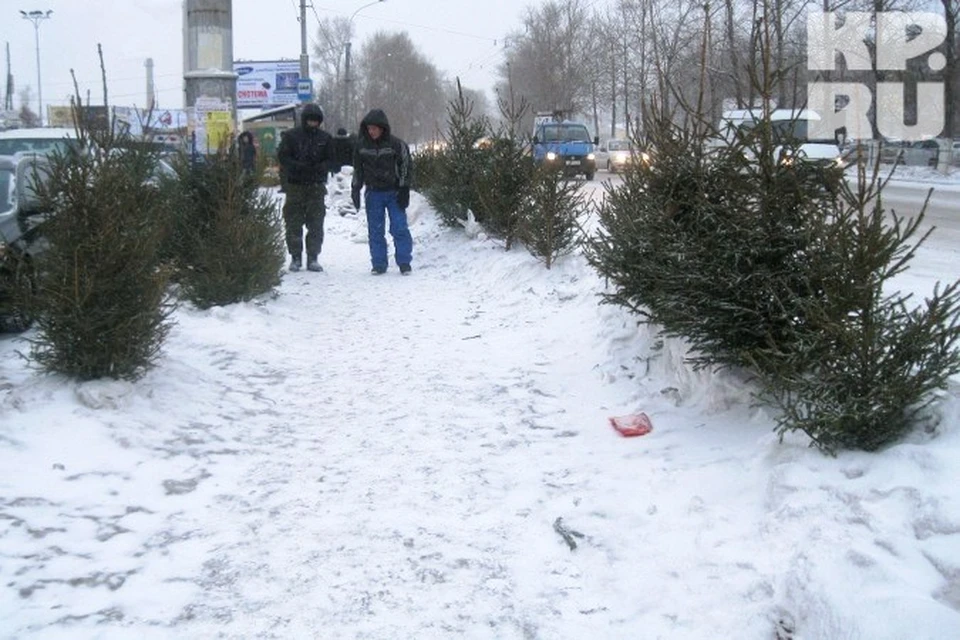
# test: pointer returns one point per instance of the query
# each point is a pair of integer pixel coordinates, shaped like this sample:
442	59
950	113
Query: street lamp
347	93
35	17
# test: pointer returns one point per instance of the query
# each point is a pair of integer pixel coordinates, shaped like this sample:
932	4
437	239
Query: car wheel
589	176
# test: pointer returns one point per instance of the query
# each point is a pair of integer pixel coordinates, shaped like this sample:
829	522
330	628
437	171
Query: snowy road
387	457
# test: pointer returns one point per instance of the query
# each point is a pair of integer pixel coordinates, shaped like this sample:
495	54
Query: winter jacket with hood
343	144
247	150
383	164
304	151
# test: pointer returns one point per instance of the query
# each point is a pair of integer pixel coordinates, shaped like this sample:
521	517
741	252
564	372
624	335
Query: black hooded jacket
380	165
304	151
343	144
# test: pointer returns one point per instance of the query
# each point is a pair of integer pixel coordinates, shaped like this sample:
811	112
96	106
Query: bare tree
329	57
546	63
397	78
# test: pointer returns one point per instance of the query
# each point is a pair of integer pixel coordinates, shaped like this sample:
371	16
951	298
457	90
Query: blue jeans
377	202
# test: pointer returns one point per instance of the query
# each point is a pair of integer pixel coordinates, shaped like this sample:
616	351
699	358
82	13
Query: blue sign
304	89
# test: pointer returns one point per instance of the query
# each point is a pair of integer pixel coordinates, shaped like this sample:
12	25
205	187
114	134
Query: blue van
565	144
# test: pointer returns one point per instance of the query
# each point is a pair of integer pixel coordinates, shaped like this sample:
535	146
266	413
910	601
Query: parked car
20	240
36	140
922	153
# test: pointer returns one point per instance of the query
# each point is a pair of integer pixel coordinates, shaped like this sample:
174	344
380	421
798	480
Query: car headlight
840	162
591	156
551	155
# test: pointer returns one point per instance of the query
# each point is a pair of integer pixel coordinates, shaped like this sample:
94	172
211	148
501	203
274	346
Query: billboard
266	84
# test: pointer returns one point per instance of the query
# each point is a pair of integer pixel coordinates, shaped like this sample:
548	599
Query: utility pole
8	97
347	92
304	58
35	17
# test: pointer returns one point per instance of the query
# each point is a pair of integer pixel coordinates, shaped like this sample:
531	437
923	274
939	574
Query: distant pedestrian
343	144
303	155
247	152
381	164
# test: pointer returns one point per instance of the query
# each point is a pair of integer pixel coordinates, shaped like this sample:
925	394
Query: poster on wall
261	85
210	125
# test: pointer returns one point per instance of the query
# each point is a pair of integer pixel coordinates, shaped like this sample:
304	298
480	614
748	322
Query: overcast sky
461	37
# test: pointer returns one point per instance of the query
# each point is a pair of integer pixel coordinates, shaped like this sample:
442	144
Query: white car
622	153
43	140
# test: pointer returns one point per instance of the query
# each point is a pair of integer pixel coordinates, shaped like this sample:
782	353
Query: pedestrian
303	155
381	164
342	150
247	152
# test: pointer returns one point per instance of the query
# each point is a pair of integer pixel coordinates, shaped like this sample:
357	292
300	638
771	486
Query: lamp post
347	93
35	17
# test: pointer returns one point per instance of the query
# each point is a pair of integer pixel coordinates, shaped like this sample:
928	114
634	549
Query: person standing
342	150
247	152
303	155
381	165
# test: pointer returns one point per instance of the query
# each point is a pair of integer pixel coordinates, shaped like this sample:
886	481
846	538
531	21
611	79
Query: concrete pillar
208	52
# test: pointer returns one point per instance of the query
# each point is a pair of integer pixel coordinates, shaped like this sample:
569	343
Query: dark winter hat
312	112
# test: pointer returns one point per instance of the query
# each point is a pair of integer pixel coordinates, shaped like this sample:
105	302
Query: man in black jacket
381	163
343	144
303	155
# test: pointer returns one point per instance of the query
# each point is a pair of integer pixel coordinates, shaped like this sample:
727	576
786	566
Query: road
938	259
943	210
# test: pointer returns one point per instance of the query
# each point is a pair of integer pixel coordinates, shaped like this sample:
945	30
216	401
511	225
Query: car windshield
619	145
6	191
786	131
565	133
10	146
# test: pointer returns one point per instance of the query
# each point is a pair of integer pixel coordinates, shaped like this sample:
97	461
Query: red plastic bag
633	425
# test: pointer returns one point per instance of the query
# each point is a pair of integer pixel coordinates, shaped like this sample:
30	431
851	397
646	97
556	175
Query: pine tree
506	179
550	215
453	193
102	302
225	236
869	358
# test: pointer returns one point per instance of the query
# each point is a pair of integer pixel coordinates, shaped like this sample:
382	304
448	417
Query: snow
387	457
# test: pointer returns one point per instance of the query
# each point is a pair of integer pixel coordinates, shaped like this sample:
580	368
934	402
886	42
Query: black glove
403	197
355	196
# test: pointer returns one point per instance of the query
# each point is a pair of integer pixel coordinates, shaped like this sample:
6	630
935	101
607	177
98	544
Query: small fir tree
550	216
101	302
870	358
225	236
453	193
505	182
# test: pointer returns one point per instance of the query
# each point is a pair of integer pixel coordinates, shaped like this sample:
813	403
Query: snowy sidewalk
385	457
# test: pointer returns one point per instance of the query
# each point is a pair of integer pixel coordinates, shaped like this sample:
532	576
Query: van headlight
551	155
591	156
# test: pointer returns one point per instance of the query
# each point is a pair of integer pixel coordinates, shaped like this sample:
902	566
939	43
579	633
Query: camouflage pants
304	207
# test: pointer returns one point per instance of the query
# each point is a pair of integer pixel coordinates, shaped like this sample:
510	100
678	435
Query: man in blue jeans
381	163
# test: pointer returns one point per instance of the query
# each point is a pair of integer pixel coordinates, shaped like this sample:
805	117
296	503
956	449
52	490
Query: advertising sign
266	84
210	125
